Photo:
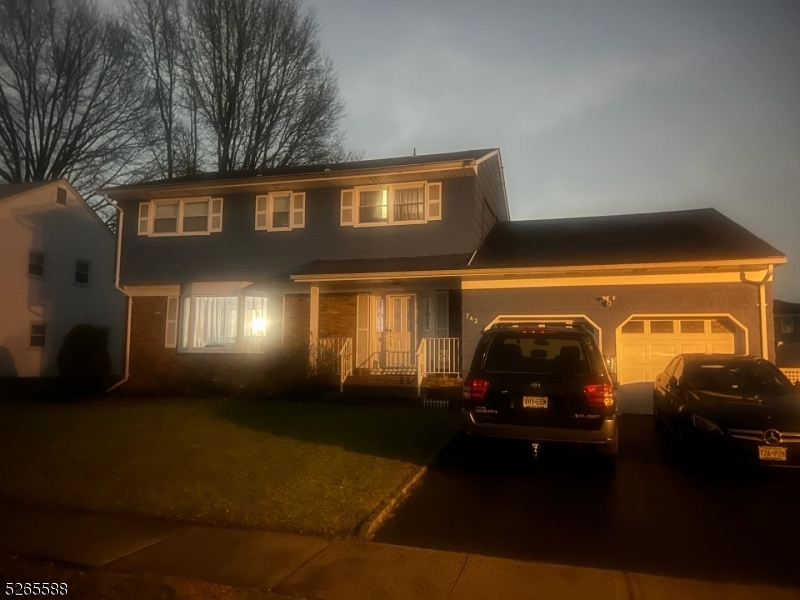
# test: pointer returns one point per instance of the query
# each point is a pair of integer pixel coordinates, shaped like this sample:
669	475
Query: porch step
381	390
390	380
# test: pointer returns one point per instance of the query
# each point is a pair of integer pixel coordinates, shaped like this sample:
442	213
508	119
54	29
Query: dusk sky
597	107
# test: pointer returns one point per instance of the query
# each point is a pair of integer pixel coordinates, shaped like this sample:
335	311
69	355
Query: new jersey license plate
771	453
534	402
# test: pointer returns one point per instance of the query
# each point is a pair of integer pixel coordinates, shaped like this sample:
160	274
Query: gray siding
240	253
737	299
490	202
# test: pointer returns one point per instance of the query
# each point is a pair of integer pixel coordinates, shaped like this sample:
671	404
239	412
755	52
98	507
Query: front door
400	331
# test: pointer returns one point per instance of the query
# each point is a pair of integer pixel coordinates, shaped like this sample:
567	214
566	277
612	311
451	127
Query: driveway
654	514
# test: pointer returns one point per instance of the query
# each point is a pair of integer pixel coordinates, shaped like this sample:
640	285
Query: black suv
542	384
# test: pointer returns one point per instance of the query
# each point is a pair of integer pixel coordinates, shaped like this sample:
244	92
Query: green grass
289	466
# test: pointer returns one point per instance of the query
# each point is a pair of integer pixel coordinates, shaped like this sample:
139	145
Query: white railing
443	356
345	362
421	362
792	374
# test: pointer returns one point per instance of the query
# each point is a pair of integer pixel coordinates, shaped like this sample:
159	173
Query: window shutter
215	215
262	208
171	335
298	210
144	218
434	203
347	208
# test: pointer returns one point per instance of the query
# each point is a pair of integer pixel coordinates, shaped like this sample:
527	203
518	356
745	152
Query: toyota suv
543	384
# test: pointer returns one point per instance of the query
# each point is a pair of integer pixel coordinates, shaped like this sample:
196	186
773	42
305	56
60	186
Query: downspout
762	305
126	372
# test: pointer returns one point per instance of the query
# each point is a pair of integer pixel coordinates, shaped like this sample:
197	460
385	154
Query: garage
646	345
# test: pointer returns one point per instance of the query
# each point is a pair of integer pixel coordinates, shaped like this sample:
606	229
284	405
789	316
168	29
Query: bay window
213	323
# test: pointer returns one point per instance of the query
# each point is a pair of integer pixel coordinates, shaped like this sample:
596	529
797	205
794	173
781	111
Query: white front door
400	331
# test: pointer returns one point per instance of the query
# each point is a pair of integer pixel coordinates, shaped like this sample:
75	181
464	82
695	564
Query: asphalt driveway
653	514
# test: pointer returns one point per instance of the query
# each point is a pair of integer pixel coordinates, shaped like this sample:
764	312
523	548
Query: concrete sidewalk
305	566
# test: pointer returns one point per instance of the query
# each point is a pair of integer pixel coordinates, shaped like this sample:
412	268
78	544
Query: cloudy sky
598	107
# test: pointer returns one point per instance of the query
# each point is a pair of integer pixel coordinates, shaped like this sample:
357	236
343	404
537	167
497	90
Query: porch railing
345	362
792	374
421	363
335	355
443	356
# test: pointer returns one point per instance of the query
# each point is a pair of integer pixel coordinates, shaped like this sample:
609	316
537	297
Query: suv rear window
547	354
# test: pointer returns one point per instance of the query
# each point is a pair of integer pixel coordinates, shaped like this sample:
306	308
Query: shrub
83	361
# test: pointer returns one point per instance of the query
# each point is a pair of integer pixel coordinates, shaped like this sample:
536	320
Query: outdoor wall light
605	301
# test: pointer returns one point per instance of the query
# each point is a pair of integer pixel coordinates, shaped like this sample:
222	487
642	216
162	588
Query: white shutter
171	334
434	201
298	210
215	215
347	207
262	210
144	218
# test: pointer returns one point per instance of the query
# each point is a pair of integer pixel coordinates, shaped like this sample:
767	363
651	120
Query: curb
366	530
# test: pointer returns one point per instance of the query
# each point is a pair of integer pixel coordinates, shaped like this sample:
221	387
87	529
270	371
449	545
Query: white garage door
645	346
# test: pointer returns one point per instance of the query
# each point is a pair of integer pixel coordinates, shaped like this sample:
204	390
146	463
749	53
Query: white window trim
270	197
390	189
239	346
180	202
271	211
88	273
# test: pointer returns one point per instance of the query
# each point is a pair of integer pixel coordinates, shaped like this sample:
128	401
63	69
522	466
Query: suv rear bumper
606	435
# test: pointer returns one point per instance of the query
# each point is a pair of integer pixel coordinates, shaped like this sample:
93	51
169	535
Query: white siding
65	234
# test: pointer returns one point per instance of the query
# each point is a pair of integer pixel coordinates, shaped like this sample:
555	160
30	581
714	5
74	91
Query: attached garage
646	345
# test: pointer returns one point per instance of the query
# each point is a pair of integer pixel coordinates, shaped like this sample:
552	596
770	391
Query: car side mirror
673	383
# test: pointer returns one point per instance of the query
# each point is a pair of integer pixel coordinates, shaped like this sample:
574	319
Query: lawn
288	466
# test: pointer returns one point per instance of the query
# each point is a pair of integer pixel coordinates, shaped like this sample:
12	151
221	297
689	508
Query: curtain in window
373	206
255	317
409	204
215	319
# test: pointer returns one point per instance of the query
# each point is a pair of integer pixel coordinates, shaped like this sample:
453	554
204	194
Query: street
653	514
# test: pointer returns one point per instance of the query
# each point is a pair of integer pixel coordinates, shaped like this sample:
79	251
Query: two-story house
399	265
57	267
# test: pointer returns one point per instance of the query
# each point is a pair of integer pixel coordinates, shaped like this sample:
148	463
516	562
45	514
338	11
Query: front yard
290	466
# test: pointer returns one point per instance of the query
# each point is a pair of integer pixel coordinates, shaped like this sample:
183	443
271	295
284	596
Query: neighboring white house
57	270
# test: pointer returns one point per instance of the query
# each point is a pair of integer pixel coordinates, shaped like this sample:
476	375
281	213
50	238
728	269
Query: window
662	327
213	323
722	326
104	336
61	196
281	211
38	336
426	314
693	327
36	264
537	354
82	272
392	204
189	216
633	327
787	325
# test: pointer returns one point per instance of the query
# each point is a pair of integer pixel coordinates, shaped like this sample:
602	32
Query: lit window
373	206
787	325
213	323
38	335
255	317
165	218
82	272
36	264
215	320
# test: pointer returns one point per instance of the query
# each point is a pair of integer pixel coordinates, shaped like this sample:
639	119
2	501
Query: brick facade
296	320
337	315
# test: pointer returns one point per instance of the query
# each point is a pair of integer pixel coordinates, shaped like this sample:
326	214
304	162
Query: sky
598	107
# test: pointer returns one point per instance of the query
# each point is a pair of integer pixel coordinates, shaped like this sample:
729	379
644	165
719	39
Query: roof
662	237
380	163
445	262
781	307
12	189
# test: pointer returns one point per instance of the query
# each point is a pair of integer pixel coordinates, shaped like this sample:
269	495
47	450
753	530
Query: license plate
771	453
534	402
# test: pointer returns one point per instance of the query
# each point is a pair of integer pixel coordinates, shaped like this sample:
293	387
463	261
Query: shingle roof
12	189
379	163
446	262
781	307
679	236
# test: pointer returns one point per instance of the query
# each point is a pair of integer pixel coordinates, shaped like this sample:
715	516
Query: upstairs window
61	196
391	204
38	335
35	264
82	272
187	216
281	211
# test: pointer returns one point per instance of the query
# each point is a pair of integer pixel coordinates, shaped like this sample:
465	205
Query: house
787	333
398	265
57	265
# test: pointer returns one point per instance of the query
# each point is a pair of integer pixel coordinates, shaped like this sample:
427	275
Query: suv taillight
475	389
599	394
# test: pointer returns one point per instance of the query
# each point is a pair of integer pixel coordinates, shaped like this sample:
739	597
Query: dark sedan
738	406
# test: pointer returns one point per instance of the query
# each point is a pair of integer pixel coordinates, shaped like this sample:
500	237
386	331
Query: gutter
762	308
126	371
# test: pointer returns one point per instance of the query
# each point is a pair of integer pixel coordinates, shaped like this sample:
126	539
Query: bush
84	363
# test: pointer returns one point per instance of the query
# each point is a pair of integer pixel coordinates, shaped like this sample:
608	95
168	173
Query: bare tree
261	82
71	94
